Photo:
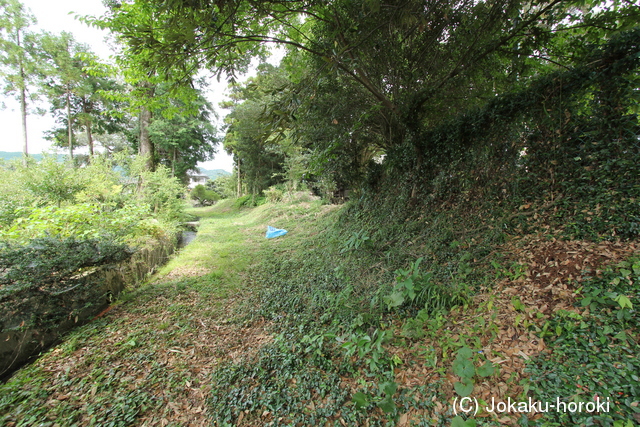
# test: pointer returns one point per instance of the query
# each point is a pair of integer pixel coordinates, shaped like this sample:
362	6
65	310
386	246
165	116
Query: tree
63	77
130	21
183	140
255	142
203	195
415	63
96	113
18	64
86	101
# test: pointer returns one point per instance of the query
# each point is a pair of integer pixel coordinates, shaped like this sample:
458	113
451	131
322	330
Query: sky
57	16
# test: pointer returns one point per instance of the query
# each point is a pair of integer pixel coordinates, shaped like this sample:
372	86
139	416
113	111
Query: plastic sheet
275	232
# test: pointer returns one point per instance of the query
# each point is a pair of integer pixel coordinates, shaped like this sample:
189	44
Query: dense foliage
367	79
63	231
600	341
46	280
109	198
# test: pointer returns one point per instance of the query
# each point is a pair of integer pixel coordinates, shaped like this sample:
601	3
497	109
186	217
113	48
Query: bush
84	221
51	182
274	194
162	193
203	195
223	186
250	200
112	198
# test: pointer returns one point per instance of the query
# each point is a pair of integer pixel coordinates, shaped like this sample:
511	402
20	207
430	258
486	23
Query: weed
353	243
418	289
369	349
383	399
463	367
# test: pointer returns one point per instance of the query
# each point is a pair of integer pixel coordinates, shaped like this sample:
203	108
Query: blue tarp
275	232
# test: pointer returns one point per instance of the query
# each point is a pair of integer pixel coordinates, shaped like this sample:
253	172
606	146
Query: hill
11	155
214	173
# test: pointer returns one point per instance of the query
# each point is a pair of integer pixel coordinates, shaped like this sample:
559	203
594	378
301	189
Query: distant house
195	179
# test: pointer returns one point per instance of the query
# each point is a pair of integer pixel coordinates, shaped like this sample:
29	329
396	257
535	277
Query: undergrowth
349	307
331	294
593	353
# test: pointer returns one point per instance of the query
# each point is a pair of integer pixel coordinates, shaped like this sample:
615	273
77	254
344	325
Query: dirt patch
183	272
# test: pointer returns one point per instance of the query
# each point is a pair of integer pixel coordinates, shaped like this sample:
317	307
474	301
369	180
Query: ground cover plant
176	329
242	330
593	350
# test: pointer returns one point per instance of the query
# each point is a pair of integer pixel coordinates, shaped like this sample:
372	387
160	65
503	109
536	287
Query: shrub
250	200
51	182
274	194
203	195
162	193
112	198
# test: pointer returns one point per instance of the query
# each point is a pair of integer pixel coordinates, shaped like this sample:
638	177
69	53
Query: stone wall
96	289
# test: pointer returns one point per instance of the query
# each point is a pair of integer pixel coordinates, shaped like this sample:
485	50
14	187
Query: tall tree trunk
173	163
23	104
239	180
69	131
87	110
146	147
23	113
89	138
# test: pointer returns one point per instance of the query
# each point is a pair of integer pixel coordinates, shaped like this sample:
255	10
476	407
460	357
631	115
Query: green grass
305	330
145	360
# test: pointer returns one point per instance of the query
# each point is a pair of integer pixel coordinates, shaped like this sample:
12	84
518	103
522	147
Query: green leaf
389	388
361	400
396	299
465	352
622	336
625	272
463	368
486	369
459	422
464	388
387	405
623	301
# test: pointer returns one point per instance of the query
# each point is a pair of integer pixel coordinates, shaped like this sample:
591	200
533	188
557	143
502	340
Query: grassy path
329	356
147	360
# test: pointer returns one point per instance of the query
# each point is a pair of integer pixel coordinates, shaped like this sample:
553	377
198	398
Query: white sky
54	16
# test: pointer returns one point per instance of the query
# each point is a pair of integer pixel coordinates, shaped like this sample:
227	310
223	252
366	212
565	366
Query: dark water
186	237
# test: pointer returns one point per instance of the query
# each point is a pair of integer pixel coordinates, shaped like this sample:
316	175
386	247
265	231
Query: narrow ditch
189	234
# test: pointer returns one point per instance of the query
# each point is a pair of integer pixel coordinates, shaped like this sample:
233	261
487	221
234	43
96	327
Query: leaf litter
160	347
496	327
